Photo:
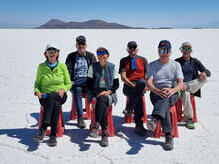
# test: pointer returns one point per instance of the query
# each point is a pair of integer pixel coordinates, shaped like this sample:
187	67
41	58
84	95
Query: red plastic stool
129	119
173	116
87	112
109	117
61	127
180	112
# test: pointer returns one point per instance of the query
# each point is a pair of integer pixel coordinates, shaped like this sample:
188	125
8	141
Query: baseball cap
51	45
185	44
164	44
81	39
132	45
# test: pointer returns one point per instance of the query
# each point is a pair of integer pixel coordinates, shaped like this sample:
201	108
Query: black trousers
52	105
102	104
135	98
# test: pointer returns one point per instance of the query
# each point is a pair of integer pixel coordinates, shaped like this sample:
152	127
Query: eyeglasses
102	52
187	49
164	51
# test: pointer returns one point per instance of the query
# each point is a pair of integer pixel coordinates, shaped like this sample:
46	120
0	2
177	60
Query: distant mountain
91	24
210	25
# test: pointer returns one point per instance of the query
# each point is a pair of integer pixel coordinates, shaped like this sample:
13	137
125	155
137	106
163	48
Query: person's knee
101	98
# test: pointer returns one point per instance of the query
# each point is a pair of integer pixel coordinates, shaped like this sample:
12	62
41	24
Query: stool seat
87	112
130	119
61	127
111	131
173	116
180	111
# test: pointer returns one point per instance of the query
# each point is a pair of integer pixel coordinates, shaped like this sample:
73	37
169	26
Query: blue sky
140	13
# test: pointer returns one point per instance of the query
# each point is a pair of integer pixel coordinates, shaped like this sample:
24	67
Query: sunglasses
81	43
102	53
187	49
52	50
164	51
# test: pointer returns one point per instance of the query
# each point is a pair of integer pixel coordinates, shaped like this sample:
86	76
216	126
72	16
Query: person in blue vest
78	63
103	81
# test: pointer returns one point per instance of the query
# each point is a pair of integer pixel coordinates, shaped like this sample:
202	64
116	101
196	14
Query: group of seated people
166	79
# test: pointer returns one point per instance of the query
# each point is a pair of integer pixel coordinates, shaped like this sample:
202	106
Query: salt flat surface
22	50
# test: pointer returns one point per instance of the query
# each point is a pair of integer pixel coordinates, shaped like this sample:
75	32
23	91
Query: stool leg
110	122
73	110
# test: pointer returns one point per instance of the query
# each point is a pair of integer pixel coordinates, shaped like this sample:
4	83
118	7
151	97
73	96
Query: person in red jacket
133	70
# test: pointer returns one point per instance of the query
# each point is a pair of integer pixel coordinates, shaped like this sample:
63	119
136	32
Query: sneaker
168	145
127	112
139	129
52	141
190	124
152	124
104	139
39	137
95	130
81	123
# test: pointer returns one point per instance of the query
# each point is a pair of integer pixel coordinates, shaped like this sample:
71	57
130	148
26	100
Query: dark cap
132	45
81	39
164	44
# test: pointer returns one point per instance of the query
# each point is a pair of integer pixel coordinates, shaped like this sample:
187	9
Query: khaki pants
193	86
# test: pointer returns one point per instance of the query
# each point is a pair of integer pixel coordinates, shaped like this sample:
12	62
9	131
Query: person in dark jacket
78	63
195	75
103	81
133	70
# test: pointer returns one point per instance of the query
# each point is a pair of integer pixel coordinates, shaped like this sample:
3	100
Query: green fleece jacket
48	80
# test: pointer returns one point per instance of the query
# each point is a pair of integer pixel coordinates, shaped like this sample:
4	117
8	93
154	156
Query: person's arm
68	63
122	73
93	60
202	68
204	73
115	85
126	80
67	80
37	83
152	87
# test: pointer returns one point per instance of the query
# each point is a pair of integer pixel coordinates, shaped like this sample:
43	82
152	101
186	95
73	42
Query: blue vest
108	75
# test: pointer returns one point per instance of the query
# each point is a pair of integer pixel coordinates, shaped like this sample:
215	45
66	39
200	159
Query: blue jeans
162	109
135	98
79	87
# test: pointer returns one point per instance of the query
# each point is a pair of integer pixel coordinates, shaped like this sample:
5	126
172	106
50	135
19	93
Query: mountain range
91	24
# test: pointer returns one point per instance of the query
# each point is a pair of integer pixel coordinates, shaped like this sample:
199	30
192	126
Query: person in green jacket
52	83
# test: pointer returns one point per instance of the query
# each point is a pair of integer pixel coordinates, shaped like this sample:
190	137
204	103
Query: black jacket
71	59
197	67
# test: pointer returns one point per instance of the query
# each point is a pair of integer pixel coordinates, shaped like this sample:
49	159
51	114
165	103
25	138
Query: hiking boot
139	129
52	141
152	124
168	145
190	124
39	137
127	113
104	139
95	130
81	123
